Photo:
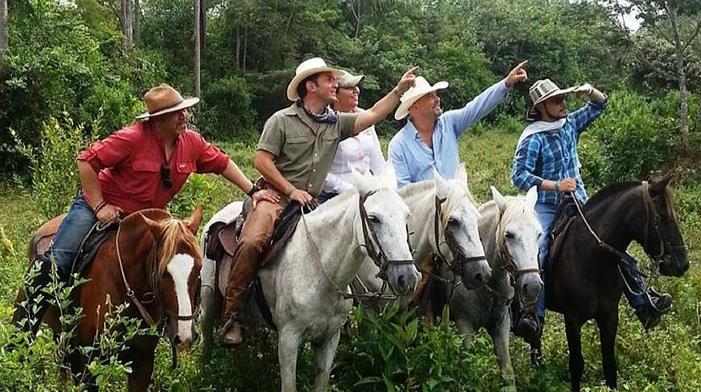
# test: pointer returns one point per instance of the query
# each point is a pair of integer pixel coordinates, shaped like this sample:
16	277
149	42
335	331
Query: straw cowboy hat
421	88
348	80
541	91
164	99
308	68
545	89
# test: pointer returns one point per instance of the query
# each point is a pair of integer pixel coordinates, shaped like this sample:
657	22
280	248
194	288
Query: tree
667	19
3	27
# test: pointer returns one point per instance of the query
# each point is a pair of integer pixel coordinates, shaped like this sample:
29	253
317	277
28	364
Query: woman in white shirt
361	152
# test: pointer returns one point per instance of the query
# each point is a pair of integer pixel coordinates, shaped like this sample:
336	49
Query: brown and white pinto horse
152	263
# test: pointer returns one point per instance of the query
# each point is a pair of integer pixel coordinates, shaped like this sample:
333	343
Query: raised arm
384	106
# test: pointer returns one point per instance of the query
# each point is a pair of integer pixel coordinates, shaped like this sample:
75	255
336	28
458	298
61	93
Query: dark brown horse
584	281
152	263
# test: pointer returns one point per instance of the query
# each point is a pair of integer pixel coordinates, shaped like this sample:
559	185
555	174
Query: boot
232	331
529	328
656	305
37	301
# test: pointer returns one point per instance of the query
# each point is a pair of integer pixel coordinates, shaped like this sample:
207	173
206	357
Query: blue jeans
636	295
70	234
546	214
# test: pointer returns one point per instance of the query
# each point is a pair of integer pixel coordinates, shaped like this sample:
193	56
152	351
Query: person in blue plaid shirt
546	157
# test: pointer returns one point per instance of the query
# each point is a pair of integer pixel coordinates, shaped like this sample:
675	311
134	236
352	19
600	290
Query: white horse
509	230
305	286
444	222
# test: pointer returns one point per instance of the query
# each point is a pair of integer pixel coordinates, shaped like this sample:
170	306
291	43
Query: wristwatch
253	190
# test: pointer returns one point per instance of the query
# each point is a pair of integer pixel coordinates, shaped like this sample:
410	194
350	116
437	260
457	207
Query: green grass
669	358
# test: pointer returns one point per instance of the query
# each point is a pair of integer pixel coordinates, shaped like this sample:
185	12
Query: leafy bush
54	175
226	110
633	138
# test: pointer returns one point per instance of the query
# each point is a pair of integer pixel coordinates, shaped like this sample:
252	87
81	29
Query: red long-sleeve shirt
128	163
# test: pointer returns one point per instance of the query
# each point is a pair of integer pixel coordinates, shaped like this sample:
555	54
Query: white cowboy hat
164	99
308	68
421	88
545	89
348	80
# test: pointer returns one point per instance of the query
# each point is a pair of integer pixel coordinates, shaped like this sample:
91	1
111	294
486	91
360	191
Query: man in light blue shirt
430	138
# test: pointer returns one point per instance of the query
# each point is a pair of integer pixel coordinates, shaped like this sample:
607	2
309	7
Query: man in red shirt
141	166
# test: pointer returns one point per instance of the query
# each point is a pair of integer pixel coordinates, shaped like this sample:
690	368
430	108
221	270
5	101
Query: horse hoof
537	360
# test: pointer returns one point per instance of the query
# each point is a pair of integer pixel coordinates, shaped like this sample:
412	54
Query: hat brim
352	82
186	103
292	87
555	93
403	109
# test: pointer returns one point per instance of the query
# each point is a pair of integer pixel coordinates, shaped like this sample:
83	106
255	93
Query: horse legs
468	331
608	325
500	340
142	368
324	359
287	347
210	315
573	329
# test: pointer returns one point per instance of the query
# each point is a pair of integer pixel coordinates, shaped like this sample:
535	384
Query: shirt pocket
145	174
186	167
296	146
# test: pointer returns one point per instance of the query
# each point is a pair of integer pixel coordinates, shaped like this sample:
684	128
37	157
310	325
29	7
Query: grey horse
510	232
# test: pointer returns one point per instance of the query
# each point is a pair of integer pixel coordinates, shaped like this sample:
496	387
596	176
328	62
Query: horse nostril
401	281
176	340
479	277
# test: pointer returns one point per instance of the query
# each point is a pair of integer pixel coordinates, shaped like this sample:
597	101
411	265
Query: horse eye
453	222
373	219
509	235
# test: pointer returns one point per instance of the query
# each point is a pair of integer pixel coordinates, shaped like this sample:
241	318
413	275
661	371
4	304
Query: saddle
91	243
222	239
566	213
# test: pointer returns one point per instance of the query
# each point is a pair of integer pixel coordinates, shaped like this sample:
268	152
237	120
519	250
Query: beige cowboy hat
421	88
545	89
349	80
164	99
308	68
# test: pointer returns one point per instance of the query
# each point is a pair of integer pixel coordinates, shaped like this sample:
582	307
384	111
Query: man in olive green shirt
294	156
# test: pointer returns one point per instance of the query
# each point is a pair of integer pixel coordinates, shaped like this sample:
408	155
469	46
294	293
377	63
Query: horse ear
360	181
193	223
498	198
658	187
532	196
442	187
154	227
389	176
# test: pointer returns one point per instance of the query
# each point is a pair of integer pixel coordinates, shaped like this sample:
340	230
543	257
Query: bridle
650	210
457	266
374	250
153	295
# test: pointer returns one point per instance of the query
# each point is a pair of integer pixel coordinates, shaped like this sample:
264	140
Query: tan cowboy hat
164	99
546	89
421	88
348	80
308	68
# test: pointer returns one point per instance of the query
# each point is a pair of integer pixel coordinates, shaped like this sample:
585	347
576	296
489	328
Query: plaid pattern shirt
552	155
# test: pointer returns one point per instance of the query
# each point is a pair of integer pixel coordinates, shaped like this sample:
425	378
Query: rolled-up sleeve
110	151
212	159
272	138
523	169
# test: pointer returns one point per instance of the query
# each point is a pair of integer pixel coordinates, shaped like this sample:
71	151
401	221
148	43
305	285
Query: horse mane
173	231
457	190
605	193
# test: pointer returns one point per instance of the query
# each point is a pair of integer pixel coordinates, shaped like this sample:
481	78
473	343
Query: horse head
461	246
177	275
383	216
518	233
661	238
